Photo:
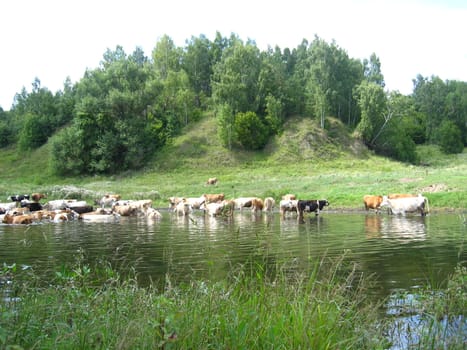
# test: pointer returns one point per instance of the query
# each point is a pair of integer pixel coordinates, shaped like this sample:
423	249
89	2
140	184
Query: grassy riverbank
94	307
310	169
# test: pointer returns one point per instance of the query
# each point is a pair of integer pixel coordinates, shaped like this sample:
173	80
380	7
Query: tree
274	114
235	78
449	137
372	70
166	57
411	121
331	77
198	62
5	130
37	109
226	120
67	153
116	122
251	131
34	132
456	106
297	65
373	105
380	126
272	80
430	98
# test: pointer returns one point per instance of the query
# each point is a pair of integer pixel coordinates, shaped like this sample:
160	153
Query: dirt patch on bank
434	188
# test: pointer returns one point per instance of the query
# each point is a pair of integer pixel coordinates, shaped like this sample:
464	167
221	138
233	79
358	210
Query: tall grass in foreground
252	309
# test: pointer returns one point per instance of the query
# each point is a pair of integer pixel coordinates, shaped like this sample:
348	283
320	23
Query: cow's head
385	202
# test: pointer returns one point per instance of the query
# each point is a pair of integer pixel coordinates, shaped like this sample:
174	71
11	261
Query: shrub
252	133
449	137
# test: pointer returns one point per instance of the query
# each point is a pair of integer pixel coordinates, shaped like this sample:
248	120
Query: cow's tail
427	206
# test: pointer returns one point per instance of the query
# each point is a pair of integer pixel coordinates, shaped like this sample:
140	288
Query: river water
401	253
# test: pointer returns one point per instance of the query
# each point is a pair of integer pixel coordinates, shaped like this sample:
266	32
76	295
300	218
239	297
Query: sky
56	39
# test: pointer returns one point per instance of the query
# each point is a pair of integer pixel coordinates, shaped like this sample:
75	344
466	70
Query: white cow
99	215
288	205
173	201
213	209
8	206
406	205
59	204
195	202
108	200
243	202
269	203
153	214
183	208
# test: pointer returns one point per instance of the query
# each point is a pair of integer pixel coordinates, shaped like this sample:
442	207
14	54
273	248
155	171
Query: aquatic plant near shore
95	307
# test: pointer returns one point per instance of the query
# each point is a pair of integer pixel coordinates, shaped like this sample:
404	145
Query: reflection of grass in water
432	317
254	307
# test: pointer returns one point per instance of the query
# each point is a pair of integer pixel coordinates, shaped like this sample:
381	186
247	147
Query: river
401	253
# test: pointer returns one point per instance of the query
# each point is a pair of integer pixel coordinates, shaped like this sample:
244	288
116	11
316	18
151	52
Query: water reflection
408	325
373	225
396	249
404	229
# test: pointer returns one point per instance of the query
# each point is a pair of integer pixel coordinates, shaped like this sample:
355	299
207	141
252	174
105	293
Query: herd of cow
398	203
217	205
27	209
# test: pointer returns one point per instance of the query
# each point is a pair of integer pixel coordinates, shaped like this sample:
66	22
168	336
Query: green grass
93	307
328	307
304	160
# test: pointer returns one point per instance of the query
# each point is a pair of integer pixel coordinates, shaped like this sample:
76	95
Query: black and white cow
32	206
19	197
311	205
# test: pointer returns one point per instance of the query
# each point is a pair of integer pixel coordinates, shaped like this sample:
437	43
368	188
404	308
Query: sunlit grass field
313	167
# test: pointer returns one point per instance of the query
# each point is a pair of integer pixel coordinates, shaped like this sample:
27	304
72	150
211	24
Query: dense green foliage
117	116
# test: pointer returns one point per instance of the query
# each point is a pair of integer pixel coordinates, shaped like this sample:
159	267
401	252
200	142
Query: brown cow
211	181
289	197
401	195
256	205
213	198
125	210
23	219
372	202
36	197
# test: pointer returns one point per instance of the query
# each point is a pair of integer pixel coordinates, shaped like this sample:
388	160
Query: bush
449	137
34	132
66	156
251	132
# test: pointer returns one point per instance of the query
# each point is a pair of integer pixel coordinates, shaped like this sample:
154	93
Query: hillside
301	140
304	160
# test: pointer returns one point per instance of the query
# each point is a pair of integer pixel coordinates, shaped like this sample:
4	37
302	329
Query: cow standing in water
311	205
372	202
401	206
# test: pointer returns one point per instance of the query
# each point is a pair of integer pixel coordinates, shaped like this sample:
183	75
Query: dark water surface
401	252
